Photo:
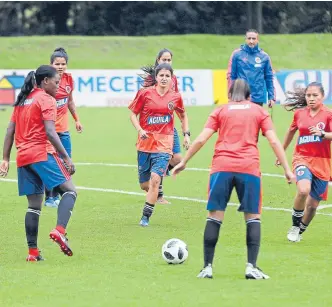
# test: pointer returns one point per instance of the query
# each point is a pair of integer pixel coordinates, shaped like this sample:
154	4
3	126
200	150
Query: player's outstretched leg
68	199
253	244
211	235
32	225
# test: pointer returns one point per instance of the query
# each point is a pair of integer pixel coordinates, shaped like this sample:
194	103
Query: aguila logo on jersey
61	102
68	89
171	106
305	139
159	120
320	126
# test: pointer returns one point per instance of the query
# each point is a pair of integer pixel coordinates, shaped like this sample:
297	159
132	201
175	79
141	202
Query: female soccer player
166	56
236	164
38	164
65	102
312	154
152	116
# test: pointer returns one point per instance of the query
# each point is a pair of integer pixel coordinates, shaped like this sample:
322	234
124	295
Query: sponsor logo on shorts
305	139
300	173
159	120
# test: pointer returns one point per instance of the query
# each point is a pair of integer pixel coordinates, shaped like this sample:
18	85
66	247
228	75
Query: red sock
33	251
60	229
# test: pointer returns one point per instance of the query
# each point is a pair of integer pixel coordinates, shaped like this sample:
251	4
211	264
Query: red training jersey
30	135
238	125
156	117
65	89
310	150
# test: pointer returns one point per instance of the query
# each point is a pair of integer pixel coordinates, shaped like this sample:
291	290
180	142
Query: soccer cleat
206	272
144	221
163	201
293	234
57	200
62	241
32	258
255	273
49	202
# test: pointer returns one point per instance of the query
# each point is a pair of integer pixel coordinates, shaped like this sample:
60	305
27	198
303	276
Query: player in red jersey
312	154
38	164
152	114
236	164
166	56
65	102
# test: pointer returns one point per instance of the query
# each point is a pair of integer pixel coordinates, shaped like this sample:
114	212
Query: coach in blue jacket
252	64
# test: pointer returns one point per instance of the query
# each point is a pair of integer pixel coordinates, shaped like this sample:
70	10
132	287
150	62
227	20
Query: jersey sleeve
13	117
213	121
328	127
176	86
293	126
72	83
137	104
266	122
48	108
179	107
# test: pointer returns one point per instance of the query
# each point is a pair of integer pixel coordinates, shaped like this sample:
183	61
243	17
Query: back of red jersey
156	118
313	151
30	135
66	86
238	125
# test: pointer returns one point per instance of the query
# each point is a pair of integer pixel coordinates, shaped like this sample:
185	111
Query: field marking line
169	197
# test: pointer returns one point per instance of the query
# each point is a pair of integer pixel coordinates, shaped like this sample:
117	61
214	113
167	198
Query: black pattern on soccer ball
168	255
180	253
171	244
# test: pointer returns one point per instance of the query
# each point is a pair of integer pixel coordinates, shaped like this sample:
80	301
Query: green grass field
118	263
190	51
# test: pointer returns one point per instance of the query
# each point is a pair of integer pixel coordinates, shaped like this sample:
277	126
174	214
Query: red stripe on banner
62	166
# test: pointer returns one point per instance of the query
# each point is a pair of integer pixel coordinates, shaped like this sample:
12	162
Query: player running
166	56
38	164
236	164
65	102
152	114
312	154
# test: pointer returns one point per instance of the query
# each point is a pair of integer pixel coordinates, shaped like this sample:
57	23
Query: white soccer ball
174	251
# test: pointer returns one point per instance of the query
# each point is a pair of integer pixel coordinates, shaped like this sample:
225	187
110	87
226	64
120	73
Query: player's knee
144	186
71	193
303	191
155	181
176	159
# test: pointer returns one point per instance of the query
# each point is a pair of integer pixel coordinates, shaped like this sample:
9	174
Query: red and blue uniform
312	154
65	90
236	157
38	164
156	117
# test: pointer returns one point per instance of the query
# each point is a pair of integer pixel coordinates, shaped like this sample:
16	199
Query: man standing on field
253	65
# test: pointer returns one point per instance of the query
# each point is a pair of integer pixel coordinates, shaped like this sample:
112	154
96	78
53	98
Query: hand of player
178	168
69	165
271	103
315	131
186	142
291	178
79	127
277	163
142	133
4	168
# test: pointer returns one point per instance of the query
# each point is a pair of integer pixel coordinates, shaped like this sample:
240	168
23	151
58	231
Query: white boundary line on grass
170	197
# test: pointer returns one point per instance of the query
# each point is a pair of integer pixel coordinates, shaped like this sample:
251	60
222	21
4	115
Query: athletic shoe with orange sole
62	241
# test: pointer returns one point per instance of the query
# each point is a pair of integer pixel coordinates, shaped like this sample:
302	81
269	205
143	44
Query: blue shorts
176	143
319	187
248	188
33	178
151	163
65	140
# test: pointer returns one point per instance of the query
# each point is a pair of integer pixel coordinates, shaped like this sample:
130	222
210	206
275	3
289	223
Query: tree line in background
159	17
